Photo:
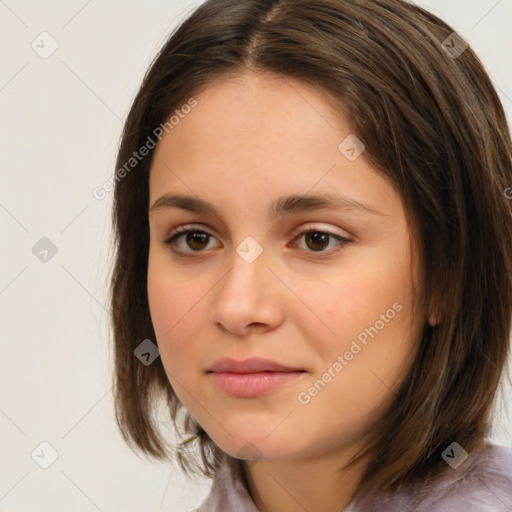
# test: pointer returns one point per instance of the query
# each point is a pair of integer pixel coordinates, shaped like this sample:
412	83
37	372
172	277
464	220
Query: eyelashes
199	237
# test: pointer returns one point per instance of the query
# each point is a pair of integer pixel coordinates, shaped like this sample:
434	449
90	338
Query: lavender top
482	483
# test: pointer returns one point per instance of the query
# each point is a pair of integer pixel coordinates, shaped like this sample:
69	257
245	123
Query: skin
250	139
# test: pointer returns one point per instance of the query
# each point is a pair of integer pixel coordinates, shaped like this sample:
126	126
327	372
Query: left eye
197	240
317	240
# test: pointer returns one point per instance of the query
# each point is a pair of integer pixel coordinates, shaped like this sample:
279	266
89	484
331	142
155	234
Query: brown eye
197	240
317	241
194	240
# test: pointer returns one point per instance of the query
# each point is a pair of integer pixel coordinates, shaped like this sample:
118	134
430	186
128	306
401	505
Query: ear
434	319
436	316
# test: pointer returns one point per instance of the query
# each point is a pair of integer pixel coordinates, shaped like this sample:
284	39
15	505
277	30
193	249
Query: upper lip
251	365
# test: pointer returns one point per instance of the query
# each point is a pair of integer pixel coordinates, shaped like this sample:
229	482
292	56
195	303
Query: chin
255	448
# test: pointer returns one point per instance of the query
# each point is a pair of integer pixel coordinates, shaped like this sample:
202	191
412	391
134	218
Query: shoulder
482	483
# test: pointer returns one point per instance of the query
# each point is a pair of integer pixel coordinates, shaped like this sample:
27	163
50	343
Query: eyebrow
288	204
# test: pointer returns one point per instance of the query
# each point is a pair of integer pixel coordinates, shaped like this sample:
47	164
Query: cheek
370	318
178	312
171	305
160	300
344	307
174	315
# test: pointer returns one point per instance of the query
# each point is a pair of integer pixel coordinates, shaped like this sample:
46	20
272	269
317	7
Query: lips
251	365
255	377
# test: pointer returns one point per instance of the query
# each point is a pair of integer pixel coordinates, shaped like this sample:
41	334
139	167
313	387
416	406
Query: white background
61	120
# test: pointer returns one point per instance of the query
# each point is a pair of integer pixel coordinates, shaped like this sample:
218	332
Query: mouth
253	377
251	365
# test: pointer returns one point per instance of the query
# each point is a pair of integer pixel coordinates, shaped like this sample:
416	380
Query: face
324	289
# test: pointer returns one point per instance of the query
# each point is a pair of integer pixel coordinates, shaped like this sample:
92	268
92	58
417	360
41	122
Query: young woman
314	235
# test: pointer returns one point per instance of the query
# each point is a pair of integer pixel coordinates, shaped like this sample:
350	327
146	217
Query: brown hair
432	124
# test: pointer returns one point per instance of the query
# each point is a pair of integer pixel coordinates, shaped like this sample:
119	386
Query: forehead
253	104
256	121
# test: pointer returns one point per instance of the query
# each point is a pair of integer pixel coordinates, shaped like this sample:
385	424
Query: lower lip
250	385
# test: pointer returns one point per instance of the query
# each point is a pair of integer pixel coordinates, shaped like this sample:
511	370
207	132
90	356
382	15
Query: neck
320	484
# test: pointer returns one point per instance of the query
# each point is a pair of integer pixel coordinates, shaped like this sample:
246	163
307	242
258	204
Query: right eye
195	239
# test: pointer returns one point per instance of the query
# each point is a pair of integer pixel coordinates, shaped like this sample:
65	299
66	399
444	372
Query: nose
249	298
